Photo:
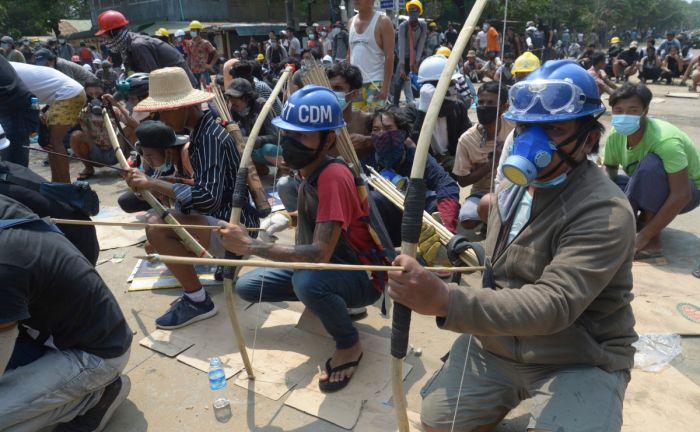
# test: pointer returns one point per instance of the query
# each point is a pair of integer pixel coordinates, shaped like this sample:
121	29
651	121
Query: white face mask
194	34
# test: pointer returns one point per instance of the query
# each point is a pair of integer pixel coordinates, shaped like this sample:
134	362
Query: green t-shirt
671	144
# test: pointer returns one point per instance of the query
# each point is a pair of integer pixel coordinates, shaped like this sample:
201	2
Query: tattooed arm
326	236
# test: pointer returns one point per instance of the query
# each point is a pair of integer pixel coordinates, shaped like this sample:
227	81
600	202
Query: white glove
426	95
275	223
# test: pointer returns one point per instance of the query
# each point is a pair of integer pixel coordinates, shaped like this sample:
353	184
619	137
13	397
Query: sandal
651	257
696	272
86	174
327	386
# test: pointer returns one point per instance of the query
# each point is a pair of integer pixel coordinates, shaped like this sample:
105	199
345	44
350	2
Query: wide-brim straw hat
170	88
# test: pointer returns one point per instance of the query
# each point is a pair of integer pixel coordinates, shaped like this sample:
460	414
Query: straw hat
169	89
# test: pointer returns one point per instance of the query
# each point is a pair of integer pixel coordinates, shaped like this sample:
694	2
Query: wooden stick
91	162
187	239
136	224
167	259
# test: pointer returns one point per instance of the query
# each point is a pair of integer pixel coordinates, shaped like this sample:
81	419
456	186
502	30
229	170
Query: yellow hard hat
417	4
163	32
195	25
35	39
527	62
443	51
615	40
260	57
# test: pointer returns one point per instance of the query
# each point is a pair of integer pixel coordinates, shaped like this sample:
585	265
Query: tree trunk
289	9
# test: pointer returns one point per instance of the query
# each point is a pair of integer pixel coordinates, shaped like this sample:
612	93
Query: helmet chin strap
567	157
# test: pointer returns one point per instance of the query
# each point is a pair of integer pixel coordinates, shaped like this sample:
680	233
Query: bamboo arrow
413	212
135	224
167	259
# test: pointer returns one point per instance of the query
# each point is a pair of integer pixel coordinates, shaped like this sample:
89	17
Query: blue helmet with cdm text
311	109
560	90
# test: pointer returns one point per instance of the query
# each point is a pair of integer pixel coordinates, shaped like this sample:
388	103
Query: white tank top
365	53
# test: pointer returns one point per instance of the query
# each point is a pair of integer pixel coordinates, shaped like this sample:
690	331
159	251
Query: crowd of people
546	211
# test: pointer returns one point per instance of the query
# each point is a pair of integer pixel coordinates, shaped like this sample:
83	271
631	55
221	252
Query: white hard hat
327	58
4	142
431	68
180	33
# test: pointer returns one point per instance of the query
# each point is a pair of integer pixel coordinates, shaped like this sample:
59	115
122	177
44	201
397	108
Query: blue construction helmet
560	90
311	109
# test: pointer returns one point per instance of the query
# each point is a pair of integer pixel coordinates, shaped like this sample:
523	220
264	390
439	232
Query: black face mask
486	114
580	137
296	154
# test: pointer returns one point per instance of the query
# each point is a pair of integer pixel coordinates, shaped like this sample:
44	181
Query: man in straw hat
214	161
333	227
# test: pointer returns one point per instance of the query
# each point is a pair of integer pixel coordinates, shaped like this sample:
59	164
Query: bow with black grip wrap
240	200
414	205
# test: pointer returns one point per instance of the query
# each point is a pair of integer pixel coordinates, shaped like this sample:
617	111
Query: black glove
459	244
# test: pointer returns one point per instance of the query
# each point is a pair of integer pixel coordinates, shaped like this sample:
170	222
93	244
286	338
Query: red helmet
110	20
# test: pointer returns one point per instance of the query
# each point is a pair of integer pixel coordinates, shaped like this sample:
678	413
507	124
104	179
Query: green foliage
599	15
37	17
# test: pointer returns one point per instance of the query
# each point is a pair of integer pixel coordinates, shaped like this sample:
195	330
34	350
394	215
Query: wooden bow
240	199
190	242
413	212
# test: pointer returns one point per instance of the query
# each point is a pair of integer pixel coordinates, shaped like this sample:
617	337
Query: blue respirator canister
532	152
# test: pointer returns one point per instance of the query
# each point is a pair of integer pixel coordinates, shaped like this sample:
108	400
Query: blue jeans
48	386
327	293
19	125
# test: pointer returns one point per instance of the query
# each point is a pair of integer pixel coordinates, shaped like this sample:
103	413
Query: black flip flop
330	387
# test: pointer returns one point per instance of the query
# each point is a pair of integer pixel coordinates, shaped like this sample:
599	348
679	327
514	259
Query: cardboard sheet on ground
214	337
166	342
378	417
369	382
661	301
149	276
343	408
112	237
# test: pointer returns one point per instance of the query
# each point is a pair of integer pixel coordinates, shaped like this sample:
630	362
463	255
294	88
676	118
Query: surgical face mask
4	45
626	124
194	34
323	34
485	27
296	154
342	99
389	147
551	182
179	39
486	114
312	36
62	41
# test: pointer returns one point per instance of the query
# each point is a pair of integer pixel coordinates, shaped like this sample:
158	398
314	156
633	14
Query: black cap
42	56
156	134
239	87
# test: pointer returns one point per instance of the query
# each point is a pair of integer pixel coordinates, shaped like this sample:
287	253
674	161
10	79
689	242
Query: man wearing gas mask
553	320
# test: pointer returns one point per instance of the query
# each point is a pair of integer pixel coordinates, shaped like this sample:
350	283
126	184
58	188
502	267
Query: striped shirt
215	162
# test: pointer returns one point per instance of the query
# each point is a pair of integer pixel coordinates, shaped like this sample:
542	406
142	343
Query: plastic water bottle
35	103
217	381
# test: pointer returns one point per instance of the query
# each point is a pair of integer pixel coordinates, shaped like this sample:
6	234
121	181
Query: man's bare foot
341	357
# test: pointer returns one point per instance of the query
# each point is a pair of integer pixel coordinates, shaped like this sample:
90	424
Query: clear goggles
555	96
